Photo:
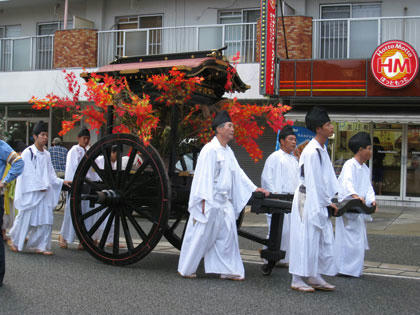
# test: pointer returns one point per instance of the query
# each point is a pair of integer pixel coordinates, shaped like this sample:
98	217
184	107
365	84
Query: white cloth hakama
74	156
223	185
311	232
36	195
281	176
350	229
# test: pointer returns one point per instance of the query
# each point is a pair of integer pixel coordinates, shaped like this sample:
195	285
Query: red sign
394	64
268	45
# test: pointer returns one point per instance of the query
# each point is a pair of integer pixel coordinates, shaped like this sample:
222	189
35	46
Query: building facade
39	38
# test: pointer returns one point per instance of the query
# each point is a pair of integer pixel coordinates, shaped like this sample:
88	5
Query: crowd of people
219	192
220	189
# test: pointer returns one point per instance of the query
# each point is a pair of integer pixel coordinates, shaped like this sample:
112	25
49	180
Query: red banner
268	46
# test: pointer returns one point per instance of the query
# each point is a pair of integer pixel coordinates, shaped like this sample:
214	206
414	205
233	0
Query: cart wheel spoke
98	223
106	231
137	227
130	205
100	172
116	245
92	212
139	172
119	165
107	166
127	233
130	162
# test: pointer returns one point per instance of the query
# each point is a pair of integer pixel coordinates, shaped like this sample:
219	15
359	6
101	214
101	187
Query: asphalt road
72	282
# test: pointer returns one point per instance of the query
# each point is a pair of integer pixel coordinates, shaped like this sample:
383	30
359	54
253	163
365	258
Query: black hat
20	146
221	118
316	117
359	140
40	127
84	132
286	131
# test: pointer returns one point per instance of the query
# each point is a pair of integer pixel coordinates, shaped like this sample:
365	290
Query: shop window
386	159
413	161
343	132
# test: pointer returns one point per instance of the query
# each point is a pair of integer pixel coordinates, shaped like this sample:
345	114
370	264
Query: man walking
74	156
280	176
311	232
36	195
219	191
7	156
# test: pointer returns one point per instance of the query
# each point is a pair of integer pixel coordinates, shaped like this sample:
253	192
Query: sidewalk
398	221
395	221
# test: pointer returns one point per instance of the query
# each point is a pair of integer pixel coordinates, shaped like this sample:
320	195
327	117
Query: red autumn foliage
135	114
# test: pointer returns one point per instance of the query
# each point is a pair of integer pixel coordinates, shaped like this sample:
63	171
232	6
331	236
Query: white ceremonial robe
281	176
220	181
350	229
36	195
74	156
311	233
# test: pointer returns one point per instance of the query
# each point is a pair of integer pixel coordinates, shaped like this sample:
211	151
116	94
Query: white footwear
319	283
232	277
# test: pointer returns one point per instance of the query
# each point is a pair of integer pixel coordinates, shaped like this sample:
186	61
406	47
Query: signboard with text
268	46
394	64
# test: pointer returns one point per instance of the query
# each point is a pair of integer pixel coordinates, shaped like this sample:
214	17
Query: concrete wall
104	12
33	13
19	87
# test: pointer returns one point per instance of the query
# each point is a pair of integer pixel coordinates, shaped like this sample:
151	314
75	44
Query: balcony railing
151	41
359	37
26	53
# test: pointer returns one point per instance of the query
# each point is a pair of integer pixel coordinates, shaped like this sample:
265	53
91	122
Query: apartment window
7	32
339	39
144	42
240	37
44	44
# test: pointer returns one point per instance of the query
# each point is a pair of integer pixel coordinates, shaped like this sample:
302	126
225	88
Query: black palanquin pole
174	140
110	120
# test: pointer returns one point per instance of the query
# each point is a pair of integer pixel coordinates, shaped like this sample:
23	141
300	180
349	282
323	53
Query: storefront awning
365	117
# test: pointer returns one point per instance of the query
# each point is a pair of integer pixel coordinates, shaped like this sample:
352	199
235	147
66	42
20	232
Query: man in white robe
74	156
7	157
350	229
36	195
219	191
311	232
281	176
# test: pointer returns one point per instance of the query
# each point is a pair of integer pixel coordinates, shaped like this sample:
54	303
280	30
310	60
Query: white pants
39	237
67	229
350	243
216	241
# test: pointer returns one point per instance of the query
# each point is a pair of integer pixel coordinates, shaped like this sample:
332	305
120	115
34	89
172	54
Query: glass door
412	177
21	131
386	159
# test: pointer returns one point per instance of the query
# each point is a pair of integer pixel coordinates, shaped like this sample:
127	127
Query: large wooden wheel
128	201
